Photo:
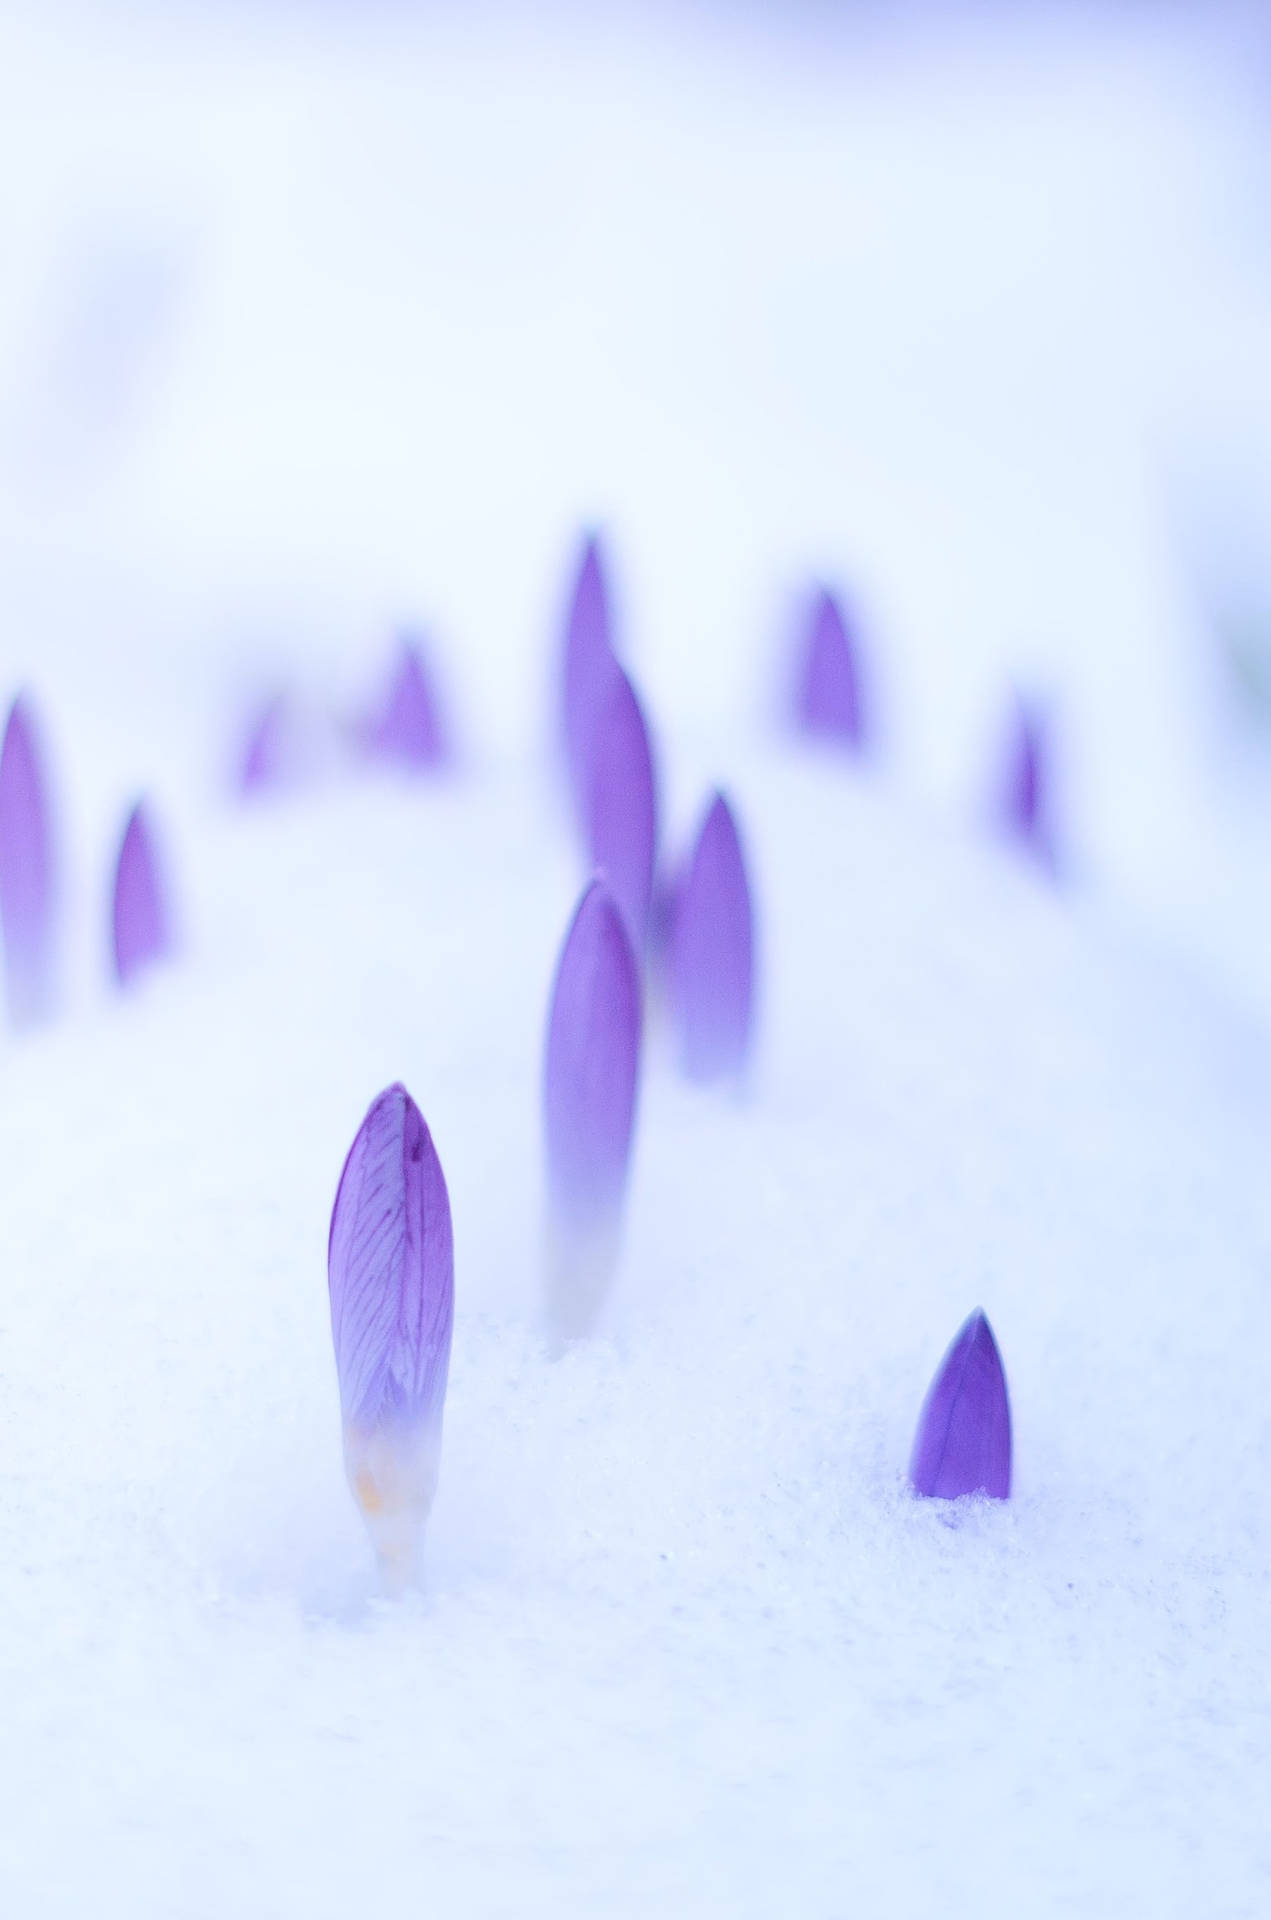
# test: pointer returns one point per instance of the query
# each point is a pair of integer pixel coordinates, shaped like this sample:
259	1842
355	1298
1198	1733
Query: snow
684	1639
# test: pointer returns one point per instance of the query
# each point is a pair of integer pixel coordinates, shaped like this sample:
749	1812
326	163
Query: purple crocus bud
1026	801
622	809
589	671
27	891
828	695
264	759
409	731
964	1432
390	1268
712	953
589	1096
141	929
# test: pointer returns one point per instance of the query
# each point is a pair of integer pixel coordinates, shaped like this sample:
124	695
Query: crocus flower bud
622	810
589	1096
828	692
963	1443
712	953
141	930
409	731
263	764
27	892
390	1268
1026	797
589	670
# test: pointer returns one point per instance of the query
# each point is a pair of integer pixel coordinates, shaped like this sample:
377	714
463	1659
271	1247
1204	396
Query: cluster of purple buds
390	1270
139	926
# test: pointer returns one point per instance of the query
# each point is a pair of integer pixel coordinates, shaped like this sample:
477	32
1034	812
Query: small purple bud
589	1096
409	731
142	934
264	759
712	953
622	809
589	670
390	1268
27	892
1025	802
964	1431
828	696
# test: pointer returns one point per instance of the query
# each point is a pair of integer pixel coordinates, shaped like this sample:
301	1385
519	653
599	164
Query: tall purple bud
712	953
589	670
828	692
963	1443
590	1080
391	1273
409	731
142	933
1026	790
622	808
27	888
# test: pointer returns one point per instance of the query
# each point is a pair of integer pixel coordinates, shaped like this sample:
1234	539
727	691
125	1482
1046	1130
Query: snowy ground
353	323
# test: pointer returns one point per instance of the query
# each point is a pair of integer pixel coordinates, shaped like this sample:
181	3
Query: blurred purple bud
263	758
390	1268
589	671
141	930
27	892
963	1443
622	809
589	1096
1026	791
828	696
409	730
712	953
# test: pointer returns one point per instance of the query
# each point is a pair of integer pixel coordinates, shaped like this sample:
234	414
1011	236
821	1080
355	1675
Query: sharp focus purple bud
828	699
589	672
390	1268
27	891
589	1097
964	1433
1025	805
712	953
622	809
410	731
141	931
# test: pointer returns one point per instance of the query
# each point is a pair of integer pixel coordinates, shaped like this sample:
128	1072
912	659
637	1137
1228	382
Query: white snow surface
409	295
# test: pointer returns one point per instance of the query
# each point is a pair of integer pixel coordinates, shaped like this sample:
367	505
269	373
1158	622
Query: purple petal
265	755
589	670
27	894
964	1432
390	1268
622	811
828	701
410	731
390	1261
712	953
1025	801
589	1096
140	915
